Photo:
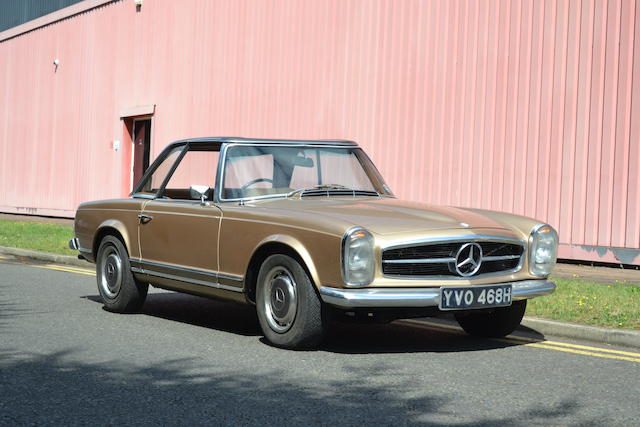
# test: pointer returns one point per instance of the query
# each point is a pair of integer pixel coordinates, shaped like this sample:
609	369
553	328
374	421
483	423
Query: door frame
128	126
133	151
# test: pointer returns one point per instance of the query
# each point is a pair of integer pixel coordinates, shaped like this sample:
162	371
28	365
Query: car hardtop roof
230	139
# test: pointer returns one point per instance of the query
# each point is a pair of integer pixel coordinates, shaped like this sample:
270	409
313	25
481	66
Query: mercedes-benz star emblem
468	259
279	296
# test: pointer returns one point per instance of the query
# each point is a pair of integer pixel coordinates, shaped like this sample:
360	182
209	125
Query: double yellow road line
576	349
57	267
68	269
584	350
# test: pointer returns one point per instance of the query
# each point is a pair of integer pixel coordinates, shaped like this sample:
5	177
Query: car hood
387	216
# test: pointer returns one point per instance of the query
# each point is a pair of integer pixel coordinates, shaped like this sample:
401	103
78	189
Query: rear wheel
497	323
120	291
289	309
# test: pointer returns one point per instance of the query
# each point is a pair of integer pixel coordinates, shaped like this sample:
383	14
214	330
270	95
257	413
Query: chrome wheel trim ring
280	299
110	279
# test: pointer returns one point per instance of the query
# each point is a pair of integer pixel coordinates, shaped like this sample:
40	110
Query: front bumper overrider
74	244
419	297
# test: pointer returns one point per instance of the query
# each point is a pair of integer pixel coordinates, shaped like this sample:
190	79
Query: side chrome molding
189	275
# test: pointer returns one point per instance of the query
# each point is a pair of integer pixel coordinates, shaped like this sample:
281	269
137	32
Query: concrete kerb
622	337
46	256
611	336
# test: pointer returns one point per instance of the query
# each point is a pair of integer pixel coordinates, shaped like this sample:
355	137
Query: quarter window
153	182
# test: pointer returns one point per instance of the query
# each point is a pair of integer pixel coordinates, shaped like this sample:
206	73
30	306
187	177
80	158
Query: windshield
268	171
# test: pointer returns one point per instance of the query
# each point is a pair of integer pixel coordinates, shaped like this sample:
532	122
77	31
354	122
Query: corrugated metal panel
16	12
522	106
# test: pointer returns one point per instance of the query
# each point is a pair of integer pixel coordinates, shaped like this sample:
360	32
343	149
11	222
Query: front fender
298	247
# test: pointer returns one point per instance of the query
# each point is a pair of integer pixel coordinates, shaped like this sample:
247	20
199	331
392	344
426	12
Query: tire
120	291
290	312
495	324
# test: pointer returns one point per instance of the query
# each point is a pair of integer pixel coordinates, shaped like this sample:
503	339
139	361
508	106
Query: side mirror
199	192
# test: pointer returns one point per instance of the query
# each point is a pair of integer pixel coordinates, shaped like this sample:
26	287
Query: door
141	146
178	233
179	240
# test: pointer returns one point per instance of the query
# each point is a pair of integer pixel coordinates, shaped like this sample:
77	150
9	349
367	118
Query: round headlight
543	250
357	257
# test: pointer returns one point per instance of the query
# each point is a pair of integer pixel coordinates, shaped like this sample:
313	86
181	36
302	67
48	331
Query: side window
197	167
155	180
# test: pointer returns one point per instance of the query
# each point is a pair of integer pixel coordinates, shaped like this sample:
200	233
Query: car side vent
337	192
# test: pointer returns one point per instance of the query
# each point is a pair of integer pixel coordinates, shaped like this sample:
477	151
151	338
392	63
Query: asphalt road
187	360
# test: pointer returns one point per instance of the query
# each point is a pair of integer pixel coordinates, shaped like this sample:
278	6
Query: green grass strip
37	236
590	303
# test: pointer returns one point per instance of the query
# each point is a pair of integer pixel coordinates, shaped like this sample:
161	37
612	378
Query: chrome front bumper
418	297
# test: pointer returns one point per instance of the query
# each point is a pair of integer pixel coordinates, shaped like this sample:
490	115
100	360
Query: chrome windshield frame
366	164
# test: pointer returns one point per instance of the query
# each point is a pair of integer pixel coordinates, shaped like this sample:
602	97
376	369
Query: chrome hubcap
280	300
110	272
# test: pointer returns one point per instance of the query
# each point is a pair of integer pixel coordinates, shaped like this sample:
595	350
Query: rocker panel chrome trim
147	267
194	281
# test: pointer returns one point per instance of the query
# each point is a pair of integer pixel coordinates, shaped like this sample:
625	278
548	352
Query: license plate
475	297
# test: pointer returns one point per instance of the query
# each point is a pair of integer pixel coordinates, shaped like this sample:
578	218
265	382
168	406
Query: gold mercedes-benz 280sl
308	231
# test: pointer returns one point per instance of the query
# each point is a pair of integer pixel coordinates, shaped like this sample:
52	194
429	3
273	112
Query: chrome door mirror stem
199	192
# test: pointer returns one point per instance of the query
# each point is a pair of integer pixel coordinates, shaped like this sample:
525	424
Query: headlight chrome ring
358	262
543	250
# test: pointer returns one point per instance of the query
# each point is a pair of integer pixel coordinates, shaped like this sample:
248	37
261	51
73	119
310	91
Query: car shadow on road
346	338
405	337
199	311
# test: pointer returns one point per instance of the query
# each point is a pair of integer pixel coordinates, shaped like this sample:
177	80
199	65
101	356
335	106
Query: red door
141	145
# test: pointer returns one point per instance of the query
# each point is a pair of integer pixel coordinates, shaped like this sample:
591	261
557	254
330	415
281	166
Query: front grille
439	259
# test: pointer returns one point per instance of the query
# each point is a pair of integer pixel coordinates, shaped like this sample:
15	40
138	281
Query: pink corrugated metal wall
529	107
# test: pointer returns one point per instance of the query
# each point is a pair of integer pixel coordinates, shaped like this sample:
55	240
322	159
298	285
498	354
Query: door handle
144	218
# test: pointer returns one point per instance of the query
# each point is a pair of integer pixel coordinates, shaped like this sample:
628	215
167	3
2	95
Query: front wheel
495	324
289	310
120	291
